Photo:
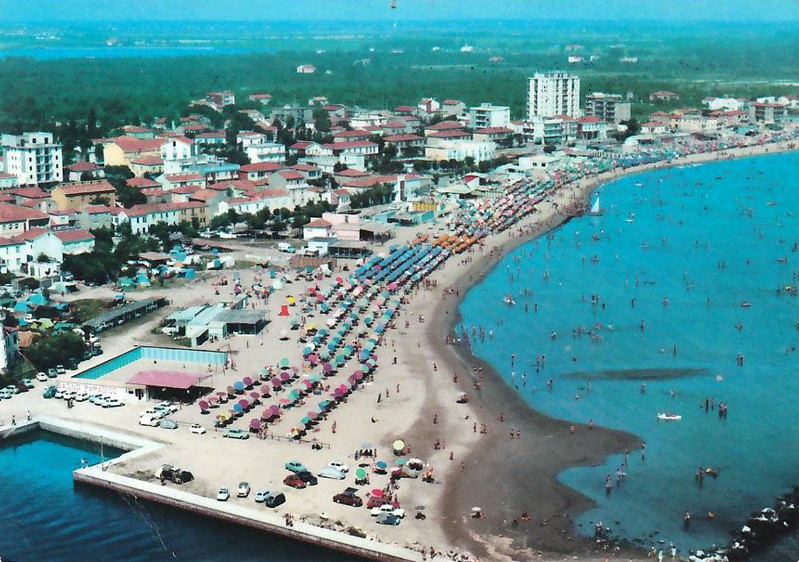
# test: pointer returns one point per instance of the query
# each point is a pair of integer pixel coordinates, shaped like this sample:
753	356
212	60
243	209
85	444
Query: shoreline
527	480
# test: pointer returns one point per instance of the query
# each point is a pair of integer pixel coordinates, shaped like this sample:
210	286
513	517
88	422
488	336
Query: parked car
307	477
68	395
261	495
295	466
168	406
12	388
153	413
148	421
235	433
294	481
330	472
274	499
244	490
388	519
52	373
81	396
223	495
21	387
348	499
197	428
27	383
60	369
41	376
112	403
340	466
388	508
377	501
5	395
49	392
166	423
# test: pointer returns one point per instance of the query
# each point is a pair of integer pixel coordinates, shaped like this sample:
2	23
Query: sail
595	207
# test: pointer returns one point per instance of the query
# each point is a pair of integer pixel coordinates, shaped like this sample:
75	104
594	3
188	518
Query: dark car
274	500
22	387
294	481
308	478
348	499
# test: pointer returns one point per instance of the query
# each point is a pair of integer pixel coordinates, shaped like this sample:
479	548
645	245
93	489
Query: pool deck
262	520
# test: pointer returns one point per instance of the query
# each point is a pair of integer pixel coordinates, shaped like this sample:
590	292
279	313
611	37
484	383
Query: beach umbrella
338	392
255	397
238	408
401	461
238	386
266	391
313	359
285	362
255	424
360	474
324	404
376	493
213	400
204	406
306	421
327	368
285	402
248	382
285	377
276	382
307	384
294	395
313	414
381	465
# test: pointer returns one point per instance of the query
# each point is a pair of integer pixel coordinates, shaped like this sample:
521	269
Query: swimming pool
198	356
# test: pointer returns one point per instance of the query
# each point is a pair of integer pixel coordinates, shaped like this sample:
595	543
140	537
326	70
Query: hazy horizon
666	11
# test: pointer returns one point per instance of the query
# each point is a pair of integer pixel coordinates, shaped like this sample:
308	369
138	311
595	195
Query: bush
56	350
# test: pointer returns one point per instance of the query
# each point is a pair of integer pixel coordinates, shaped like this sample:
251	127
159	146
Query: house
266	152
138	132
32	197
210	138
152	165
75	241
176	151
78	195
300	148
306	69
218	100
10	348
308	171
360	148
173	181
317	228
459	150
263	99
121	151
85	170
258	171
250	138
356	135
591	127
733	118
97	216
663	95
492	134
653	128
404	187
428	106
768	113
142	217
452	108
341	199
489	115
349	174
443	126
61	219
405	143
12	254
8	181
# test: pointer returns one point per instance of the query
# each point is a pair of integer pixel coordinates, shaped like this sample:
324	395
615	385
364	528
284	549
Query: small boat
508	299
639	184
669	416
746	304
630	218
595	209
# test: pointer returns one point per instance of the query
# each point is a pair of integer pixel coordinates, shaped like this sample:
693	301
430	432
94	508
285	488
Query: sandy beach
413	397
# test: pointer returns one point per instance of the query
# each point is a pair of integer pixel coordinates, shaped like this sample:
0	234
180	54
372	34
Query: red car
294	481
377	501
348	499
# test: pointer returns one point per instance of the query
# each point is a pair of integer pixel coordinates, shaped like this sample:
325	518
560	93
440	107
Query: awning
165	379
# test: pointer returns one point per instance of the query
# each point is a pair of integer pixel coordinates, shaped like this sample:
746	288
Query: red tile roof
76	235
402	138
148	161
449	135
262	167
84	188
493	131
351	134
181	178
141	183
83	167
348	144
305	168
319	223
133	144
29	193
291	175
351	173
445	126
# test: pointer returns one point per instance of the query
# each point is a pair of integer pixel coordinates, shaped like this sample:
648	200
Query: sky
44	11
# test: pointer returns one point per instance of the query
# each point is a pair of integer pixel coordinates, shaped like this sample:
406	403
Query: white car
68	395
340	466
170	407
244	490
148	421
112	403
388	508
41	377
197	428
153	413
81	396
223	495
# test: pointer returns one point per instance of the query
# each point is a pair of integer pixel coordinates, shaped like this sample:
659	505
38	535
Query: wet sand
506	477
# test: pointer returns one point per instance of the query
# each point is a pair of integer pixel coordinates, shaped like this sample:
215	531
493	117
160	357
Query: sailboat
595	209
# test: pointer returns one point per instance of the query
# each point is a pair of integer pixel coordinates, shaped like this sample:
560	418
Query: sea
678	295
45	516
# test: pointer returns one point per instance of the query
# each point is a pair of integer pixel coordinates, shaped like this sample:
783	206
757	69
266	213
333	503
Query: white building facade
553	93
488	115
34	158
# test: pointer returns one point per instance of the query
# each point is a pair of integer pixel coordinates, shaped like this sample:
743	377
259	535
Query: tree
322	119
56	350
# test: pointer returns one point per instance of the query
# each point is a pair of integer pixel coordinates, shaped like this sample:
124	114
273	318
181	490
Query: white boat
507	299
669	417
630	218
595	209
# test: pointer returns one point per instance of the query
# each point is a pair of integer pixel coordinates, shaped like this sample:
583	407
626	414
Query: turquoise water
199	356
45	517
707	238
